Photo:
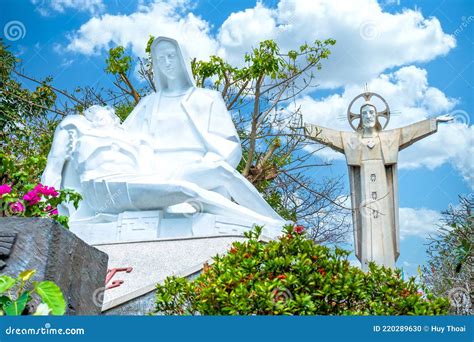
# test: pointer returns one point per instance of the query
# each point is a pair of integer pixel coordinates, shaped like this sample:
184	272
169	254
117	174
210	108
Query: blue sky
418	54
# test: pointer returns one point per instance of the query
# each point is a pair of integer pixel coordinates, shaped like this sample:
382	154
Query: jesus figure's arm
417	131
325	136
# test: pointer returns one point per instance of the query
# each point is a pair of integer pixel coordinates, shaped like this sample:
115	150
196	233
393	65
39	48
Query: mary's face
369	116
168	60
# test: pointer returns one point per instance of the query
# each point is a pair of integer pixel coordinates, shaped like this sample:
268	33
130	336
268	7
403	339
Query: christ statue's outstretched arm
325	136
417	131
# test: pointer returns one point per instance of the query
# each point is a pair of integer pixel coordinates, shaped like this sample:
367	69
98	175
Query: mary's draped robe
372	163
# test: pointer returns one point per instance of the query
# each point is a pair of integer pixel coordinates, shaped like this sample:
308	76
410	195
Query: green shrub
293	276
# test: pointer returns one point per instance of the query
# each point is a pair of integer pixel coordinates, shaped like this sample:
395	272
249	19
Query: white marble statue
175	154
192	133
372	156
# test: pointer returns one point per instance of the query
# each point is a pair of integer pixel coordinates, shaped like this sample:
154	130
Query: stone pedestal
142	265
57	255
131	226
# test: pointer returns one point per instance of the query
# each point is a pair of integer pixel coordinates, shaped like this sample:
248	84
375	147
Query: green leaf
16	308
51	294
26	275
5	301
6	282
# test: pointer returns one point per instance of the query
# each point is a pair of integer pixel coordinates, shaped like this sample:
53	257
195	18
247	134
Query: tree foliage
293	276
28	119
277	158
450	263
26	129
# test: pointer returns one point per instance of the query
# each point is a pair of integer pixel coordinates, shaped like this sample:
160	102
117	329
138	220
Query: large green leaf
6	282
16	307
51	294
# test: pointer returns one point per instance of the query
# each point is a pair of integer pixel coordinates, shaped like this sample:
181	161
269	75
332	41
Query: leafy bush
18	299
293	276
35	201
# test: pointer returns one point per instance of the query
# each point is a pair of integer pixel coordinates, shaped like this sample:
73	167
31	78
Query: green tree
28	119
450	257
293	276
26	127
118	64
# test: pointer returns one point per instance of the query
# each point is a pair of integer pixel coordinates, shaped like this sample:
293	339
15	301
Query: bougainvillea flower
46	190
32	197
5	189
17	207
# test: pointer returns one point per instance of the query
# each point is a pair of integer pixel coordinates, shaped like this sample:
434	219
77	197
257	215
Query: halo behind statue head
351	116
159	79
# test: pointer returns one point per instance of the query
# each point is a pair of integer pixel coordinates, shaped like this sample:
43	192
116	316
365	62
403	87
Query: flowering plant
36	201
293	276
17	296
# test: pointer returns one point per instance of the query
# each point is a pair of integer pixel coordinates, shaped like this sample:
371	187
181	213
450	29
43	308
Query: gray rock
57	255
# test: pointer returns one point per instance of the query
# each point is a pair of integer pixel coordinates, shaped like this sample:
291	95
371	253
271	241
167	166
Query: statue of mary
175	154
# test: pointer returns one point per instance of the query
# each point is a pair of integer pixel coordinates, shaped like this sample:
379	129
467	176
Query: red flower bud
298	229
281	277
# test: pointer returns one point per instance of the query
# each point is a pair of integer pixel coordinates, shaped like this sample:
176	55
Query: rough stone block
57	255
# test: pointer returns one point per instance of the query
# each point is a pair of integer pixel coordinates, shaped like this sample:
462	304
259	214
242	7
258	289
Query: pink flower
46	190
52	211
4	189
17	207
32	197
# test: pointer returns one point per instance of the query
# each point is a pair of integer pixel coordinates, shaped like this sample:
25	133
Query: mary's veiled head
170	63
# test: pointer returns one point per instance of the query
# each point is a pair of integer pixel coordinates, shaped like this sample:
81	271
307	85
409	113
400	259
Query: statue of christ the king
372	156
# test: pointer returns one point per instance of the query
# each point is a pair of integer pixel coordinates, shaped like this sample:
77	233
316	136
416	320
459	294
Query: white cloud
418	222
46	8
368	40
412	99
162	18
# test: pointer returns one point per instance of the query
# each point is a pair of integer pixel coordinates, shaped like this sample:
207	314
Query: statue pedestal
133	226
145	247
151	262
